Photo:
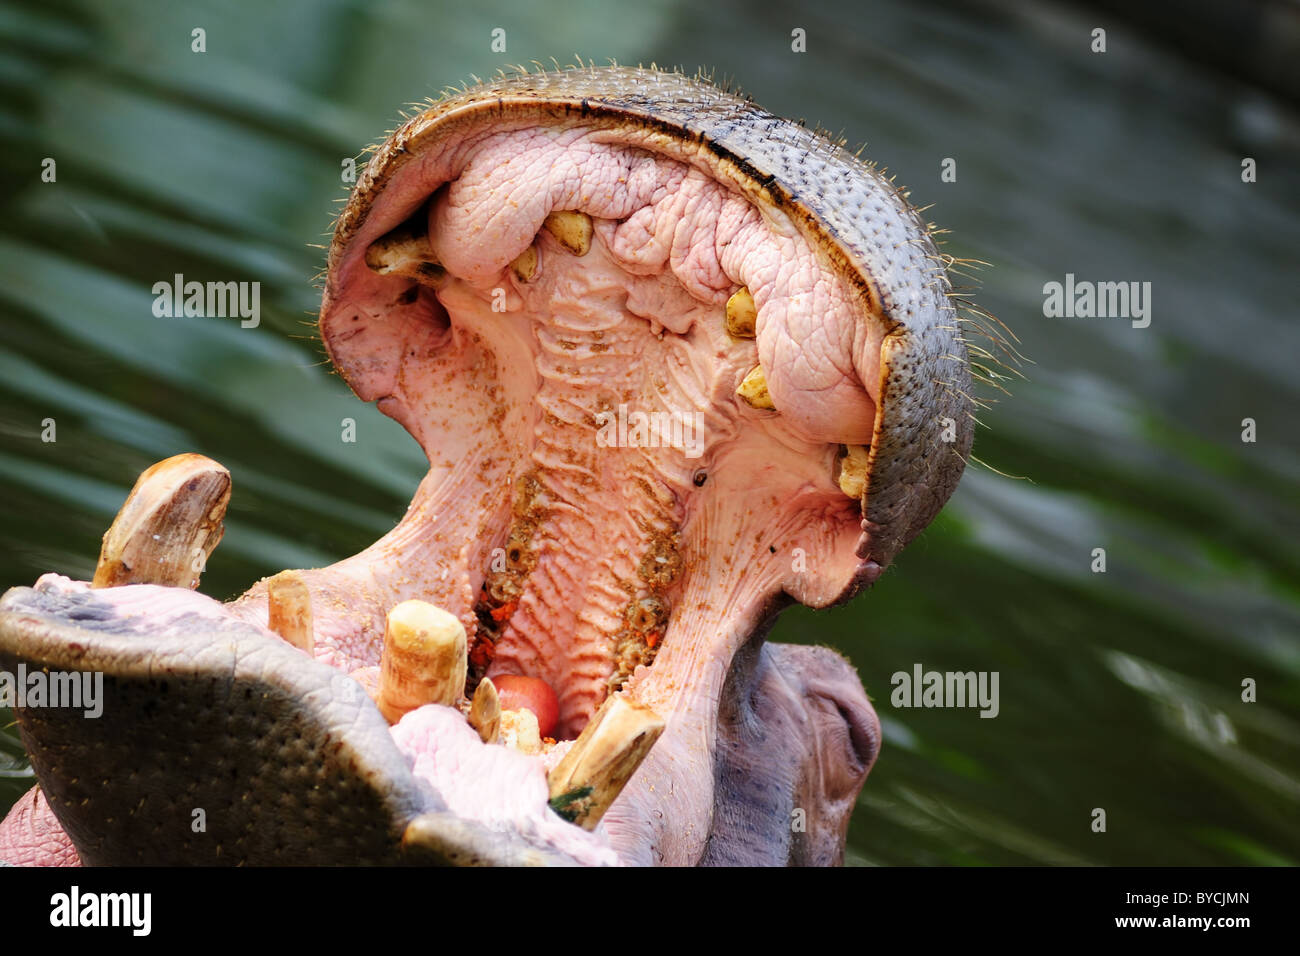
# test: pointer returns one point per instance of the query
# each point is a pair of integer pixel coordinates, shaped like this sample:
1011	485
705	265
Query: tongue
495	786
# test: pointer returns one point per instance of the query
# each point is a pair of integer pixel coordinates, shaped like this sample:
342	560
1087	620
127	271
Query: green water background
1119	690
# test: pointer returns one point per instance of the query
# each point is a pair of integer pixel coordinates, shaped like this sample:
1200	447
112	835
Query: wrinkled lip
521	272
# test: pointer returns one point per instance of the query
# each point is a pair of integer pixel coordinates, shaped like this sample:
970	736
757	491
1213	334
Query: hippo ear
212	743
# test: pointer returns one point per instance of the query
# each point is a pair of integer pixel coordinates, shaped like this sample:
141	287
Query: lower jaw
666	814
663	815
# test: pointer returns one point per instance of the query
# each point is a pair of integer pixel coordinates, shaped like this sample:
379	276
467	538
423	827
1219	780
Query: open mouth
675	363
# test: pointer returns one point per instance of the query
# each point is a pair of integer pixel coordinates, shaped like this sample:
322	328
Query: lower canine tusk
168	526
589	778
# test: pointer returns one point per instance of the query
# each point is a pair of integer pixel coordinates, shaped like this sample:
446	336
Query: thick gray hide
288	759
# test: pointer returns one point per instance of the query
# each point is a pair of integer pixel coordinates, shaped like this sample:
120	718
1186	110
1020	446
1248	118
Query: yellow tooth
571	229
589	778
854	467
519	730
485	711
168	525
754	389
525	264
288	610
424	661
405	252
741	315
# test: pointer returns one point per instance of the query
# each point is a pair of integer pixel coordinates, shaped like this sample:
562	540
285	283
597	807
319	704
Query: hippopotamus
676	363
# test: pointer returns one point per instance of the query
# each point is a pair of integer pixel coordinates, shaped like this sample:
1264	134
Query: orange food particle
481	654
501	613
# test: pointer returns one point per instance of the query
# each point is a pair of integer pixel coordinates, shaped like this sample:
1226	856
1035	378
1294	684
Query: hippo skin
826	432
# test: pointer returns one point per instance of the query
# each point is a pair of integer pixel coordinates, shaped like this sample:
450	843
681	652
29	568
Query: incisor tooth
485	711
288	610
424	659
525	264
742	315
571	229
753	389
589	778
168	525
519	730
854	470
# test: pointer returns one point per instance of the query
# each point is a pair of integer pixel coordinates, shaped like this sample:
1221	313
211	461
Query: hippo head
675	363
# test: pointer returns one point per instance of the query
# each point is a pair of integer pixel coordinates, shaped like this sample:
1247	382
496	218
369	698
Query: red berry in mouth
530	693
